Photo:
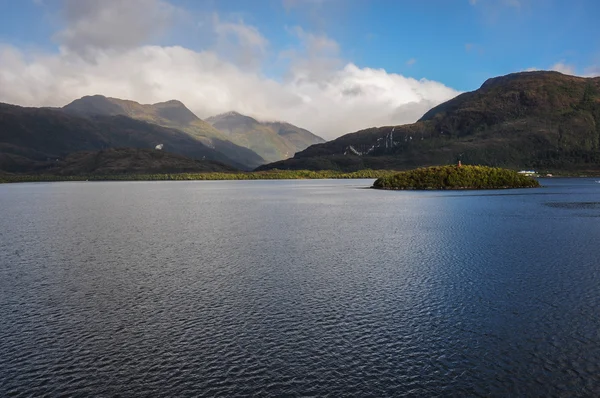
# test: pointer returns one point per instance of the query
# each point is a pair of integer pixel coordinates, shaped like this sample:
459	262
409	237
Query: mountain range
30	137
536	119
544	120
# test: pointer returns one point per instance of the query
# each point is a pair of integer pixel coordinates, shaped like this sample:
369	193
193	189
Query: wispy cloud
315	58
562	67
508	3
570	69
241	42
112	24
411	62
473	47
289	4
592	71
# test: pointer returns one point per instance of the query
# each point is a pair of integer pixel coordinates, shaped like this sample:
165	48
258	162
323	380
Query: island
456	177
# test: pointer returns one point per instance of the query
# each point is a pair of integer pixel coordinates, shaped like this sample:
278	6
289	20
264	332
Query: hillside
29	136
130	161
530	119
171	114
271	140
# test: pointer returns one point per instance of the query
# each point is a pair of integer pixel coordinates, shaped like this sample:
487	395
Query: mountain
130	161
171	114
531	119
271	140
29	136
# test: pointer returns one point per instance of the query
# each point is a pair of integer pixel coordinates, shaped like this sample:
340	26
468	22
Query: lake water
298	288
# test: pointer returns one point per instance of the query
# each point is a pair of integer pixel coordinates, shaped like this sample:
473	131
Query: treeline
456	177
258	175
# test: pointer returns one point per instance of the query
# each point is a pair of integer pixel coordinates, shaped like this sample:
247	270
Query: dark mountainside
273	141
543	120
171	114
30	137
131	161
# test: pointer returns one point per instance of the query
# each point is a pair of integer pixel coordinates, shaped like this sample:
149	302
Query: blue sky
460	43
346	46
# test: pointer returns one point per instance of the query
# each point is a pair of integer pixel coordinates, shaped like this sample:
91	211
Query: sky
331	66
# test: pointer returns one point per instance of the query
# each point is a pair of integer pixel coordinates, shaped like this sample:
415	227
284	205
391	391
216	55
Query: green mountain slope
271	140
130	161
530	119
32	135
171	114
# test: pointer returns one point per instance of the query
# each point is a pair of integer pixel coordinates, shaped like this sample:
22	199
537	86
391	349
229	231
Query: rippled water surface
298	288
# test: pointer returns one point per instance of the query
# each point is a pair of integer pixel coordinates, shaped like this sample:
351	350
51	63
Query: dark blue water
298	288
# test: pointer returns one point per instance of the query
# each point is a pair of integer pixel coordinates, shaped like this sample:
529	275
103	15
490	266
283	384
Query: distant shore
253	175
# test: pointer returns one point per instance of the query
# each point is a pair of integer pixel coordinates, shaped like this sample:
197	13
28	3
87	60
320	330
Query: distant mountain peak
97	96
172	102
230	114
271	140
231	117
172	110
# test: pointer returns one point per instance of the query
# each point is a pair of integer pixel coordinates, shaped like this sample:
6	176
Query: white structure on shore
527	172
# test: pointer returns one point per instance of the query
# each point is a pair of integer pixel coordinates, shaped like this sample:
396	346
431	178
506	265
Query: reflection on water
298	288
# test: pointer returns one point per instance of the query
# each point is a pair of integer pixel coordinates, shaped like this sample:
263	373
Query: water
298	288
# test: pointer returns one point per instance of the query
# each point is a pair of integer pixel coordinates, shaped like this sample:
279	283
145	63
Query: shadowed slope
30	135
529	119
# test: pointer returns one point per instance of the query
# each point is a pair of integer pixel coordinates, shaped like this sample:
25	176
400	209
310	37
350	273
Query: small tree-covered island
456	177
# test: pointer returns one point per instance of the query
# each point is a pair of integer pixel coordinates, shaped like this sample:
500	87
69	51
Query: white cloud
411	62
320	91
349	99
563	68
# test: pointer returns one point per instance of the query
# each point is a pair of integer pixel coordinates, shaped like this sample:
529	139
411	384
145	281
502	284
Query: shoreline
241	176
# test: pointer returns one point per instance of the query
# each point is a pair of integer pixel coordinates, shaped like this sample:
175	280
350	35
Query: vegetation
263	175
130	161
456	177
